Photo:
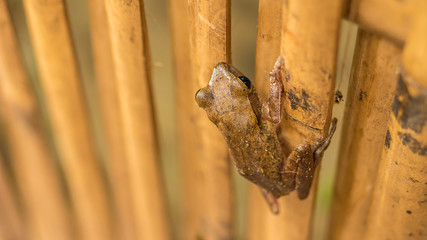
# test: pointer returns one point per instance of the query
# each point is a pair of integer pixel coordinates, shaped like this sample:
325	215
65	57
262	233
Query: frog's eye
246	81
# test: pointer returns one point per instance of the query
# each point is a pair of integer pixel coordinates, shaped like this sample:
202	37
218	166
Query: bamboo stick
368	106
309	45
37	176
61	84
107	93
391	18
208	178
130	51
11	218
179	26
267	51
401	184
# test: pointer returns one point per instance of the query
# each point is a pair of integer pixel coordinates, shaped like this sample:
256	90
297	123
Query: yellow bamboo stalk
61	84
398	208
180	24
208	178
11	219
391	18
37	175
130	51
309	45
107	93
267	51
368	106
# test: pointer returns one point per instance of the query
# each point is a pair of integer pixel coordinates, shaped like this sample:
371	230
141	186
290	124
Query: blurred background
244	26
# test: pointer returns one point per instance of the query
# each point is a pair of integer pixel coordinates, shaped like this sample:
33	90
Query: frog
251	128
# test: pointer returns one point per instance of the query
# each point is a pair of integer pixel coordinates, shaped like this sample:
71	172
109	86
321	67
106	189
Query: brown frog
251	129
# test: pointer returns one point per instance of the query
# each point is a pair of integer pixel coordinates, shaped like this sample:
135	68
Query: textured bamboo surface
207	173
37	176
368	106
398	208
132	68
267	51
393	19
180	33
12	224
67	111
309	45
117	168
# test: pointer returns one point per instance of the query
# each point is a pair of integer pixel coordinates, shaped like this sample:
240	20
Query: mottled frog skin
250	128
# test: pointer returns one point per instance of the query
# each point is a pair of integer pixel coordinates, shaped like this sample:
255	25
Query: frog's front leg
272	111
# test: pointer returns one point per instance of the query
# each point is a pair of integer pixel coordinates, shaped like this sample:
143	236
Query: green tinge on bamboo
68	116
48	215
130	51
208	176
368	106
106	84
267	51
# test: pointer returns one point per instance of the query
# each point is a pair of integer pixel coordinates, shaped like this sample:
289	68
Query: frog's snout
203	97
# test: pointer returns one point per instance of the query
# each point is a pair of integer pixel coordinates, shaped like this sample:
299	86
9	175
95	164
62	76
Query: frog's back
257	155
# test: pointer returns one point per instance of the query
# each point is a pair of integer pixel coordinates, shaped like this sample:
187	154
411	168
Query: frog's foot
321	147
271	201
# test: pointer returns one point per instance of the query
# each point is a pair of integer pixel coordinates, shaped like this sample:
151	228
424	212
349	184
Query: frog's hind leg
271	200
305	171
323	145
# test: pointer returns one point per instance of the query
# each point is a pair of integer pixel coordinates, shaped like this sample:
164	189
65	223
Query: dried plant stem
68	116
132	69
368	106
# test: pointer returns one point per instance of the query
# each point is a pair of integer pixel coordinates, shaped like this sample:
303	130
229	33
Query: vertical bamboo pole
11	219
61	84
400	191
370	95
309	45
180	32
267	51
131	59
107	93
37	175
208	181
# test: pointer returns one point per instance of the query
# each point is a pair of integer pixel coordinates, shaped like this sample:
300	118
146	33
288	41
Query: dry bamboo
208	179
11	219
105	76
398	208
179	22
267	51
62	87
370	95
391	18
37	176
309	45
131	60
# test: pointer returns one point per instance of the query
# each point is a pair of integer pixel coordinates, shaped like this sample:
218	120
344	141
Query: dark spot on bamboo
410	111
388	140
294	99
413	144
413	180
338	97
408	212
362	95
410	234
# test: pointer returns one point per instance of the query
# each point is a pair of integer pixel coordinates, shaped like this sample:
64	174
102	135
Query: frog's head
229	96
